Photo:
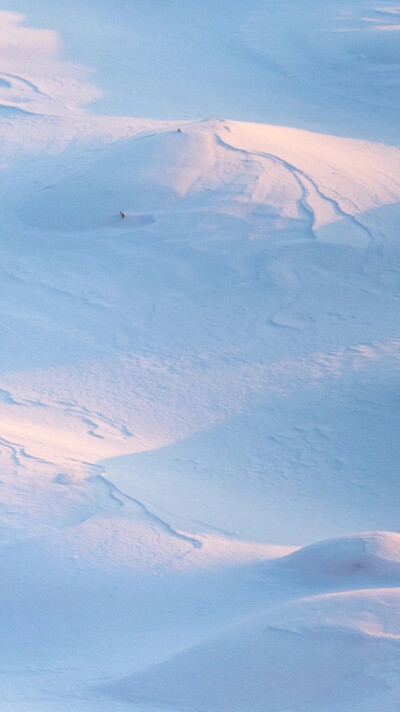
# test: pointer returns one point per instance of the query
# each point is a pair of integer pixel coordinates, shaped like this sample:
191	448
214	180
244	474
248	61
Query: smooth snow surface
199	402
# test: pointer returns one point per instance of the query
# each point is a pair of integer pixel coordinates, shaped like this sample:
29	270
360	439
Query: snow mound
138	176
337	645
313	651
371	612
369	553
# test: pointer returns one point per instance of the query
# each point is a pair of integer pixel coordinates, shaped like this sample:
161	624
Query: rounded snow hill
368	554
232	166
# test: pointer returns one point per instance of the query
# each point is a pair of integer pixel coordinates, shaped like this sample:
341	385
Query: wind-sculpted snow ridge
286	173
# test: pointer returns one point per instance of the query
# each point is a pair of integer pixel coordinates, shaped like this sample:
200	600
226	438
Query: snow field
194	395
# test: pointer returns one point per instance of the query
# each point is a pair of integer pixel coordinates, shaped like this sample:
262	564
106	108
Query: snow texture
200	356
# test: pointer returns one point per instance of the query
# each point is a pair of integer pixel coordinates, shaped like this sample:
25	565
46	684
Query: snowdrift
318	651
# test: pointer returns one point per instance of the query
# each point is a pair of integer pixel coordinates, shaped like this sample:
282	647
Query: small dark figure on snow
179	130
122	214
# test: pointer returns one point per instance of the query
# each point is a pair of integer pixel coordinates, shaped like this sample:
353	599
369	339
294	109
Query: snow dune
194	395
315	652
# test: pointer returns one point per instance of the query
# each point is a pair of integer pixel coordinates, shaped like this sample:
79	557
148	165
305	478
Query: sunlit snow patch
33	77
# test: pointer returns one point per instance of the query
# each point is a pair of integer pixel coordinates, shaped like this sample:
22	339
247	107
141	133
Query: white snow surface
199	401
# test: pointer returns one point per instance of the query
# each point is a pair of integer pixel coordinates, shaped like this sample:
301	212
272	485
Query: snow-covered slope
192	392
